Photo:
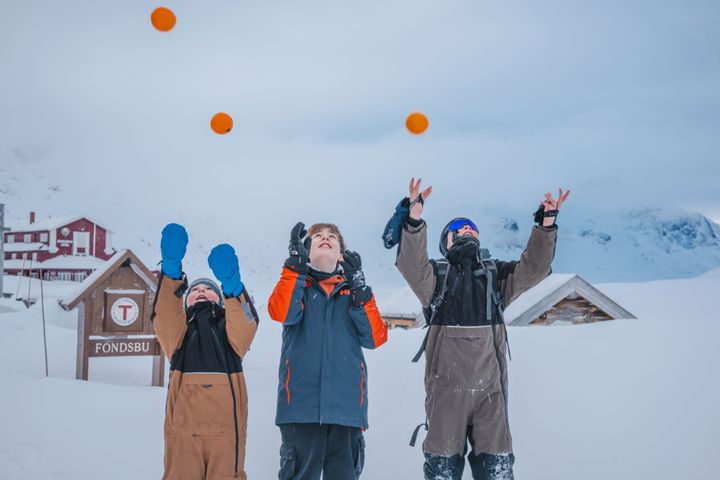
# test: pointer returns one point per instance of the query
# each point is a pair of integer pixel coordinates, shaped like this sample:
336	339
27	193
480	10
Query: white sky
617	100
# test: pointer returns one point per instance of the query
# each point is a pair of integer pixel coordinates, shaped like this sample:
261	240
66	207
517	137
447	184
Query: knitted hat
209	283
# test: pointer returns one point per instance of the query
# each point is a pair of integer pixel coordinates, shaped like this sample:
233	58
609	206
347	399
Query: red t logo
124	310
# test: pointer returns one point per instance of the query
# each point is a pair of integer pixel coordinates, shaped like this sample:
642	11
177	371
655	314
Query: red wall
65	244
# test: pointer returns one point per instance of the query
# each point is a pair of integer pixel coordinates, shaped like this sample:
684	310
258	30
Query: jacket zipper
287	379
362	383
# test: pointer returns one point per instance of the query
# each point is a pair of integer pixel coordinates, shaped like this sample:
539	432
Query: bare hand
417	208
551	203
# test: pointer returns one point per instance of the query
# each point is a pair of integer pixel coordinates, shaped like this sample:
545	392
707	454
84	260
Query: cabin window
79	276
81	243
34	257
11	239
28	237
65	276
44	237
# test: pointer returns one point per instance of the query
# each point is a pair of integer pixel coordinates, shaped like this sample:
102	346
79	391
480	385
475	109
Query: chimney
32	218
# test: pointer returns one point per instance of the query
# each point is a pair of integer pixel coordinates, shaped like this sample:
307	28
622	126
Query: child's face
325	247
465	230
201	293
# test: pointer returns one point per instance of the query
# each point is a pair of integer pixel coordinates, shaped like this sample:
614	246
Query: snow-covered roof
73	262
24	247
86	287
63	262
51	223
555	288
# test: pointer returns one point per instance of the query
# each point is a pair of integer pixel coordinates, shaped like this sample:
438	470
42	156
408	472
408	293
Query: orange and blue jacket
323	375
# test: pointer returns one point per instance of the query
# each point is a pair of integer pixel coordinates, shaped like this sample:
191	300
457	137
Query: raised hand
352	266
297	249
225	266
173	245
551	203
360	293
417	198
549	208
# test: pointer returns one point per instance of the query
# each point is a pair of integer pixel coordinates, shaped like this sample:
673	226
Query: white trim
124	292
150	283
122	337
53	240
108	243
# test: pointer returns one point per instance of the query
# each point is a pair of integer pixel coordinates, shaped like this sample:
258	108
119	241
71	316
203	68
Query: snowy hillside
621	400
630	245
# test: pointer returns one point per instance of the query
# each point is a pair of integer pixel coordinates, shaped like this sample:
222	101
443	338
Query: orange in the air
416	123
221	123
163	19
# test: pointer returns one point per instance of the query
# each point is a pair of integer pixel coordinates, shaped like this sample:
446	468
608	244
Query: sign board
124	347
114	305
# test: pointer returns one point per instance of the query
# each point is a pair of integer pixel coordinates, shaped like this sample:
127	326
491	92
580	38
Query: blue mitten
393	229
224	264
173	246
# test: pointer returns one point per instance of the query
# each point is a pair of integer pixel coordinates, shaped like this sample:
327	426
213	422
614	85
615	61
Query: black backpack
441	267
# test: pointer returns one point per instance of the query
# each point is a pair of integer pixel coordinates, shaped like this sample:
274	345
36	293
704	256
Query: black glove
298	250
360	293
541	214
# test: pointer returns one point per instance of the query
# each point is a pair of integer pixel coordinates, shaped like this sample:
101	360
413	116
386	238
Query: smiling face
465	230
326	247
201	293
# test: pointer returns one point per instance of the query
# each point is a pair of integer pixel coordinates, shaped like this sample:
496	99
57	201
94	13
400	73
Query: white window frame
27	238
86	246
10	238
44	237
34	257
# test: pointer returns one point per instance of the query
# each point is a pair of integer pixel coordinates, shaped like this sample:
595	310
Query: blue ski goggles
460	223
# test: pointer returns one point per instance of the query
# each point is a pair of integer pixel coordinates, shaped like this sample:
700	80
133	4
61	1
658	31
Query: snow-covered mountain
635	244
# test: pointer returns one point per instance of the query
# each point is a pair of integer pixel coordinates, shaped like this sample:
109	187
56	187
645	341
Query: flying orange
163	19
221	123
416	123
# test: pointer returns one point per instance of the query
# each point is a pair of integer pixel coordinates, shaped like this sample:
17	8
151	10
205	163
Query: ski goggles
460	223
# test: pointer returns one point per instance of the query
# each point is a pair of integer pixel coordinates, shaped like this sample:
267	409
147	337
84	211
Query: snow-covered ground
632	399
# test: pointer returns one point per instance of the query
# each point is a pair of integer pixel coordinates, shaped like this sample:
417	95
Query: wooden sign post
114	305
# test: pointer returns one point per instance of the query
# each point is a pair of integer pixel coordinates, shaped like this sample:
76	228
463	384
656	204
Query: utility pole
3	229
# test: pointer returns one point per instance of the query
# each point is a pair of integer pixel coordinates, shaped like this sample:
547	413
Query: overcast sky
617	100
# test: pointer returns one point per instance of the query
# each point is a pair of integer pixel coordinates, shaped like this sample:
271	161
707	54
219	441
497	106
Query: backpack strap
490	267
440	267
414	436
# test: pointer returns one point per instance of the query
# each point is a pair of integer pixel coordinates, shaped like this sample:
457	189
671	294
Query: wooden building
68	247
563	299
402	320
